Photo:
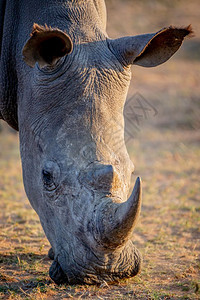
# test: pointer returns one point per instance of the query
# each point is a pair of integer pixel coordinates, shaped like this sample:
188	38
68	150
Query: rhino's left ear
149	50
46	45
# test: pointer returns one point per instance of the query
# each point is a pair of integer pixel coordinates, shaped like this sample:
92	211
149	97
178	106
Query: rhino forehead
91	98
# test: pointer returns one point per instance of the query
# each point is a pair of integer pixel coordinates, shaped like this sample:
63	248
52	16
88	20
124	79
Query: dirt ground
163	138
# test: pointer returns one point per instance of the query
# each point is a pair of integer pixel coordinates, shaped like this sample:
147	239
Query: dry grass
165	151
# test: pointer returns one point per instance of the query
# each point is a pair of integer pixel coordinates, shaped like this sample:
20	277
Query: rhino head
72	92
75	175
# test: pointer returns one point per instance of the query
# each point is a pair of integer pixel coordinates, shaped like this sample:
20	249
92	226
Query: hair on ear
188	31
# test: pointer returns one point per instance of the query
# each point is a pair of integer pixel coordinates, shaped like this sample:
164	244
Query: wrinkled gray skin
64	97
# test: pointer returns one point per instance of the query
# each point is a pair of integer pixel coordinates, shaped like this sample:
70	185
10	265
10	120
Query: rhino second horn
99	177
117	220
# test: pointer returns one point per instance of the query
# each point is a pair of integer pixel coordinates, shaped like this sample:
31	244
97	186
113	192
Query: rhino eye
48	180
50	176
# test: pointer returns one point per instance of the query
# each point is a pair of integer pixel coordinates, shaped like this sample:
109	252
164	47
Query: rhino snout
83	265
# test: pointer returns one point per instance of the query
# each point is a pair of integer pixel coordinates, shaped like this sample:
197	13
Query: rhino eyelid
50	176
47	175
48	181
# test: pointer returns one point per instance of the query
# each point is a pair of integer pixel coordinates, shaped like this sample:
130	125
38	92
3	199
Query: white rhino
70	82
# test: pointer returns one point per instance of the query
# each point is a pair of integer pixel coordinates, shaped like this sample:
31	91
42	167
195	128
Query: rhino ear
149	50
46	46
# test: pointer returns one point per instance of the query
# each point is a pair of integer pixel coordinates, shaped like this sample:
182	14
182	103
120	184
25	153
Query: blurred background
163	139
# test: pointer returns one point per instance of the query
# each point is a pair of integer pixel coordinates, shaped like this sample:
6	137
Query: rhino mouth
124	263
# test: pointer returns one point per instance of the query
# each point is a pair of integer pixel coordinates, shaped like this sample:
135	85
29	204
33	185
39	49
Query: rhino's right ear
46	46
149	50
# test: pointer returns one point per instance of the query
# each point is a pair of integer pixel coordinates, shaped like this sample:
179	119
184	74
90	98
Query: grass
165	151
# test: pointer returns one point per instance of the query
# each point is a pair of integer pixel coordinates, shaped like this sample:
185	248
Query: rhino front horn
115	221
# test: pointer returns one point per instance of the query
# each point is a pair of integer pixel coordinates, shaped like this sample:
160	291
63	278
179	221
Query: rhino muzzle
123	263
109	253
